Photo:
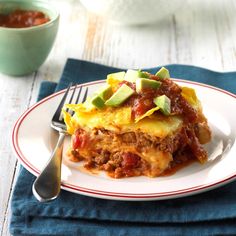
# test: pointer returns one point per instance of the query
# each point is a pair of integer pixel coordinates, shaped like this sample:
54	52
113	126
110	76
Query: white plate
33	141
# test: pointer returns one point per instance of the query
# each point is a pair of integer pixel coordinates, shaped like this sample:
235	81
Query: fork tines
75	99
70	97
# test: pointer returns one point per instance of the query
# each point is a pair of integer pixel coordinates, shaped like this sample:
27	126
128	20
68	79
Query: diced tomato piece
130	160
76	142
80	139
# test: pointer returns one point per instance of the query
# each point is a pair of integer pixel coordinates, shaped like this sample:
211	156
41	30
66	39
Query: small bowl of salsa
23	18
27	33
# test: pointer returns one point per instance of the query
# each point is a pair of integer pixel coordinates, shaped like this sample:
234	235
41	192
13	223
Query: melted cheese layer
119	120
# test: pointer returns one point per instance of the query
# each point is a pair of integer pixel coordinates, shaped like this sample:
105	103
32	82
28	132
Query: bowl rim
47	5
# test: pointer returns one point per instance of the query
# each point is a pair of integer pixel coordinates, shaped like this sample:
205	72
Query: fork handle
47	186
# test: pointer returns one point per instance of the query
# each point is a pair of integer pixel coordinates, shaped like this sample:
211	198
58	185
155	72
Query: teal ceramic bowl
23	50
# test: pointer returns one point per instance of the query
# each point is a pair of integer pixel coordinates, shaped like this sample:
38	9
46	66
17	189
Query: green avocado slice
132	75
142	74
163	73
121	95
164	103
106	92
142	83
118	75
99	99
98	102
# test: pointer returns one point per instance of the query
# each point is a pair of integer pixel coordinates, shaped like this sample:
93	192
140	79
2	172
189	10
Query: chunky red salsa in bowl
27	33
23	18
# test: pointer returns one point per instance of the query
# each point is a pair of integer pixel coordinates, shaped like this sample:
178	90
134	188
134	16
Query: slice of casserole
139	124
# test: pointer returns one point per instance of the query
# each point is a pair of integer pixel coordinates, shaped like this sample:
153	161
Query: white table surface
202	34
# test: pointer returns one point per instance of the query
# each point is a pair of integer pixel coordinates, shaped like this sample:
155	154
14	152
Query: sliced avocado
117	76
163	102
131	75
142	74
98	102
122	94
163	73
105	93
142	83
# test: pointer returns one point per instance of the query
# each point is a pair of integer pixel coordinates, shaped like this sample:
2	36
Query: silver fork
47	186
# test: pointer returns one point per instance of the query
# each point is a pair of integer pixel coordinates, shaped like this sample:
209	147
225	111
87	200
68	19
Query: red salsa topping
23	18
142	102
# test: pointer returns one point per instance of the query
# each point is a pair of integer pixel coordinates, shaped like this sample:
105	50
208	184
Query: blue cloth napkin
210	213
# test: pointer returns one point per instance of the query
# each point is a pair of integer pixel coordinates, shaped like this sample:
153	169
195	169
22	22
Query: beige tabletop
203	33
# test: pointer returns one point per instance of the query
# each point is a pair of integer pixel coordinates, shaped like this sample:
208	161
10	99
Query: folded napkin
210	213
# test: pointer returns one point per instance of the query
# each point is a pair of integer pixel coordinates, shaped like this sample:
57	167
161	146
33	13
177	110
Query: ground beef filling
103	150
